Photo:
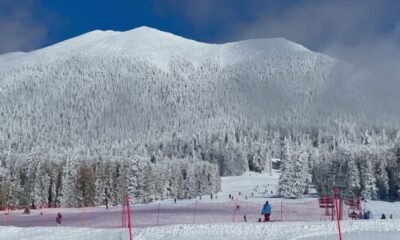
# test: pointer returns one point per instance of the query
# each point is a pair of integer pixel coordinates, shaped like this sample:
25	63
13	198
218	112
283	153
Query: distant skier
58	219
27	210
353	215
266	211
383	216
106	202
367	215
391	216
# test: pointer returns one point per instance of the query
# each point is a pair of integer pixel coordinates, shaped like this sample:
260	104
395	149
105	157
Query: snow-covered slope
105	86
355	230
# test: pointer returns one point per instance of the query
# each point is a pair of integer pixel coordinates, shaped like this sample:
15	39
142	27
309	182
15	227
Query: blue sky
320	25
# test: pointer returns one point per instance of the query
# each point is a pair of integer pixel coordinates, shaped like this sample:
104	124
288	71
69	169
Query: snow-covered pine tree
300	172
131	172
285	184
369	190
69	195
101	178
41	185
353	173
382	179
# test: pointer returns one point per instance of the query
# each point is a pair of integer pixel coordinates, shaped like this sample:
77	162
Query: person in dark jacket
58	219
266	211
353	215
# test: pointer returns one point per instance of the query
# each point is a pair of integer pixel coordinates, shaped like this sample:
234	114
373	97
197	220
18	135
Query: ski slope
102	229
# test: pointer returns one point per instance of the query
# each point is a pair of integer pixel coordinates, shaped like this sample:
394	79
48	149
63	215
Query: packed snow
354	230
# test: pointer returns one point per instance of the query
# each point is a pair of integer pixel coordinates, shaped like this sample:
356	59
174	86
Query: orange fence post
194	214
158	213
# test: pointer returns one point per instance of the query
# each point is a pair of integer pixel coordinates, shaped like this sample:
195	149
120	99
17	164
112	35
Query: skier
27	210
58	219
353	215
383	216
266	211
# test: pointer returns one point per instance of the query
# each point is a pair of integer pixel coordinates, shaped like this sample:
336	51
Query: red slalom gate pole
158	213
281	211
194	214
43	218
46	220
129	218
6	216
234	212
337	212
83	216
123	214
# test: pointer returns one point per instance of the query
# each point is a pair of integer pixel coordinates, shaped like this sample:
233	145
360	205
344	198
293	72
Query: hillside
111	86
163	116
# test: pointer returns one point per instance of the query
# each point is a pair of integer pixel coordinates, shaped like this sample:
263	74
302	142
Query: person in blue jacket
266	211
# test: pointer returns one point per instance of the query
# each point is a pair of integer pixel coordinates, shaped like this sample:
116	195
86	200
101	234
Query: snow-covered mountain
156	116
107	86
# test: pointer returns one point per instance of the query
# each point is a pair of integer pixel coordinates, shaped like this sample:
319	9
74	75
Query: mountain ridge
150	44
